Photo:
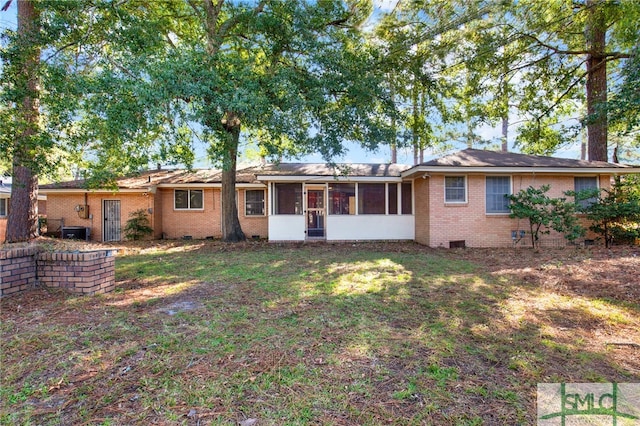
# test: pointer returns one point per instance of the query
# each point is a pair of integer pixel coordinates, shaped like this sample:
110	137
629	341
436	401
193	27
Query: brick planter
84	272
79	272
18	270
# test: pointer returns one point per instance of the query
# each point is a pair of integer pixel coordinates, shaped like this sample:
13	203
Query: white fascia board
209	185
516	170
92	191
324	179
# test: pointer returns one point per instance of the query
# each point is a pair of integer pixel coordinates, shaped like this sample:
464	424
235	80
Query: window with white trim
188	199
497	189
254	202
455	189
3	206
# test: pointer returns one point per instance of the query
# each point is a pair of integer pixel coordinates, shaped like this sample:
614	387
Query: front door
315	213
111	220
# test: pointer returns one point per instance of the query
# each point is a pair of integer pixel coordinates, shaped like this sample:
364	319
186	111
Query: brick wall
83	272
86	272
198	224
18	271
422	214
253	225
62	206
207	222
469	221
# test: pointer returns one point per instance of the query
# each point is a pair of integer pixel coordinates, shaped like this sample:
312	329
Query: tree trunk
394	146
505	133
22	223
595	35
231	229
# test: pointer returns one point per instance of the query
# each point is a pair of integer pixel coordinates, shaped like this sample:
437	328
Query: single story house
455	200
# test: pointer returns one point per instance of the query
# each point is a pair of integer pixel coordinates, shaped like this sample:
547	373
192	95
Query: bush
138	225
545	213
615	213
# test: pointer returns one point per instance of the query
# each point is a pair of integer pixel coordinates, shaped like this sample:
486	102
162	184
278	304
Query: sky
355	153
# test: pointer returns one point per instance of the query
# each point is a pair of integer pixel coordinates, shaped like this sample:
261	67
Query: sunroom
310	202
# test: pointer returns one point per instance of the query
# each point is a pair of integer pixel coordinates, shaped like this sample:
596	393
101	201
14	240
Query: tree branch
611	55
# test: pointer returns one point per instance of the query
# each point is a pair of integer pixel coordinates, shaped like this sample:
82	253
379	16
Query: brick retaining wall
18	271
79	272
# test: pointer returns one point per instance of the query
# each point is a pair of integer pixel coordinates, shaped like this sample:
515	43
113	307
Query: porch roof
303	171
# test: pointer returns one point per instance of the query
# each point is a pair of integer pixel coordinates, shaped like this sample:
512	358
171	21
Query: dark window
287	198
585	184
407	201
254	202
393	198
188	199
371	198
497	189
454	189
3	206
342	198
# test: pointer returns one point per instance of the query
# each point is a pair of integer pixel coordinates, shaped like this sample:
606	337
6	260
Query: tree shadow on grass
337	335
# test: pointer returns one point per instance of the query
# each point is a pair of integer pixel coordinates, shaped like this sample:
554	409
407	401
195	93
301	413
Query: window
188	199
287	198
371	198
393	198
455	190
585	184
407	199
497	189
3	207
342	198
254	202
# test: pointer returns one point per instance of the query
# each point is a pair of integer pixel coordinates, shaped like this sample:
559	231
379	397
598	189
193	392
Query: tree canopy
108	88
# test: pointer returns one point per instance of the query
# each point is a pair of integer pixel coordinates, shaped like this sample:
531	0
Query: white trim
466	190
264	202
485	195
328	179
92	191
520	170
209	185
188	209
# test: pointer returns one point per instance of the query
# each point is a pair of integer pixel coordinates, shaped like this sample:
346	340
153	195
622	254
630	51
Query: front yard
204	333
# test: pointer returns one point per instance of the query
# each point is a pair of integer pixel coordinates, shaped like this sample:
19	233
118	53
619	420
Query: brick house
457	199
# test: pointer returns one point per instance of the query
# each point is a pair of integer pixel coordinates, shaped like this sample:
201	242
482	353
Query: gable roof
477	160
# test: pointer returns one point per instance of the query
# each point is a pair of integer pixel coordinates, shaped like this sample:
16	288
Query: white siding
286	228
370	227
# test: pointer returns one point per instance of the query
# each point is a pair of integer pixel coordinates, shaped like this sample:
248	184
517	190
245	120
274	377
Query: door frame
104	221
323	210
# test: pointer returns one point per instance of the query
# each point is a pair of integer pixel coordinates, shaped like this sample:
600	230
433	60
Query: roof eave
307	178
547	170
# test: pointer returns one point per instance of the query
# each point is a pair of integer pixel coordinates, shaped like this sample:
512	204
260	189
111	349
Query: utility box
76	233
83	211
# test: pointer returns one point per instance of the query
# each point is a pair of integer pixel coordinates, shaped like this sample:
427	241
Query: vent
457	244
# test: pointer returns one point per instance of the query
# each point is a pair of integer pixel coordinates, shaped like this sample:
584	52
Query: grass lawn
204	333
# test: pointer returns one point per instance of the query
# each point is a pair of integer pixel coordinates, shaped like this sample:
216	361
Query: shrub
615	213
138	225
545	213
